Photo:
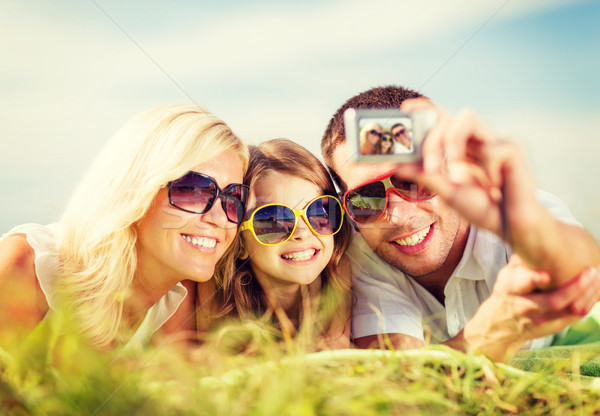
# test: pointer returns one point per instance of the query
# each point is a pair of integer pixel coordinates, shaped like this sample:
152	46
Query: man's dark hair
390	96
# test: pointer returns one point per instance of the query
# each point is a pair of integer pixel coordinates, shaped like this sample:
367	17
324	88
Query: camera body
387	134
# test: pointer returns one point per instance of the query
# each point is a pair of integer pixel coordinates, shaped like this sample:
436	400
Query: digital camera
387	134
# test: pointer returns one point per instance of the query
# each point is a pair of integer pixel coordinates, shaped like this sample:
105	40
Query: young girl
292	245
386	145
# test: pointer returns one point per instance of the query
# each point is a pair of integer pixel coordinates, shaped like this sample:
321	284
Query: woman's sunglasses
367	203
274	224
197	193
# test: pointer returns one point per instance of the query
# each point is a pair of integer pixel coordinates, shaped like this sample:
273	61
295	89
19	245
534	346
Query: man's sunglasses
400	133
367	203
274	224
197	193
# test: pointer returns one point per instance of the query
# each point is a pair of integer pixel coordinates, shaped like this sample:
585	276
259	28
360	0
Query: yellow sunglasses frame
247	225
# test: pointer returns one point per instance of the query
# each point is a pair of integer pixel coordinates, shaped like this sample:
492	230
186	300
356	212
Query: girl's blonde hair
364	132
98	238
244	296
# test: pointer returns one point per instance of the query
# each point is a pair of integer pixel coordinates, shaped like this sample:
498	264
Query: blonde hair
244	295
364	132
98	239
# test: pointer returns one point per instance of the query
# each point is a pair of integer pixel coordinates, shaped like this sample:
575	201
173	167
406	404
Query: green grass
243	370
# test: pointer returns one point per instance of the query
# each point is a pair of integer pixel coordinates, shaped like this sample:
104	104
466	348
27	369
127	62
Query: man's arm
516	312
513	314
388	341
488	181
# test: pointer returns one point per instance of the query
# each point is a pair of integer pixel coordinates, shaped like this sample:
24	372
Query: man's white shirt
388	301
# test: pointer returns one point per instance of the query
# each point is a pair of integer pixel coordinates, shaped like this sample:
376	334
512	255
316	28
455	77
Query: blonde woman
370	138
160	205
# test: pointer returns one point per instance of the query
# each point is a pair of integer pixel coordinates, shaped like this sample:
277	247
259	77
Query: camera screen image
387	134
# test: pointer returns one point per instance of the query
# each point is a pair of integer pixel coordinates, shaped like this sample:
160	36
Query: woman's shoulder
26	248
17	256
22	299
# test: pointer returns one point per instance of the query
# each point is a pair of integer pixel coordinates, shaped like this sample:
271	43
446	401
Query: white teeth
414	239
201	241
299	255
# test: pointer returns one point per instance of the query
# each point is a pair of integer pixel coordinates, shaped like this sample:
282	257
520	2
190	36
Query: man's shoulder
367	265
361	254
484	255
556	207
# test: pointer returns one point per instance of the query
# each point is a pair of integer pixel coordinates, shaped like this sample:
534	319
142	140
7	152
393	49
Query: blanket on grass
575	351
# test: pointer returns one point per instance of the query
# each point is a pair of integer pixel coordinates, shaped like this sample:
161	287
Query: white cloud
44	47
254	41
73	78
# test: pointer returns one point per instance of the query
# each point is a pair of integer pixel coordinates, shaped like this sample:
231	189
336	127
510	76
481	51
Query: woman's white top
42	238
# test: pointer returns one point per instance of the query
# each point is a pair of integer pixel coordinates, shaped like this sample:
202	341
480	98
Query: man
432	265
402	138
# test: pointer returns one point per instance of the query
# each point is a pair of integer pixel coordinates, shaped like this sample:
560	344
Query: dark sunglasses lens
410	189
273	224
325	216
366	203
233	201
193	192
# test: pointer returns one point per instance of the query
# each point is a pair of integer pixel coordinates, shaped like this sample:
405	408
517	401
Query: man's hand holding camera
488	181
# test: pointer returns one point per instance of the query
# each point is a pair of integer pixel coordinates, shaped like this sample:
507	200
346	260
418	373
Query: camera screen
387	134
380	136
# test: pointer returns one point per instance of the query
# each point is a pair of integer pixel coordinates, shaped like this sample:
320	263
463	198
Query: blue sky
74	71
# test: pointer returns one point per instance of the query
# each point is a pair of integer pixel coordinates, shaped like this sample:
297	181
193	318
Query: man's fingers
467	126
579	294
590	282
433	150
413	104
515	260
560	298
504	162
409	170
519	280
491	156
